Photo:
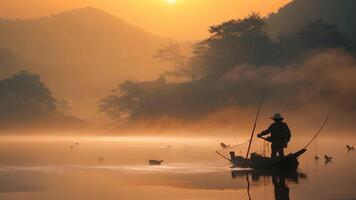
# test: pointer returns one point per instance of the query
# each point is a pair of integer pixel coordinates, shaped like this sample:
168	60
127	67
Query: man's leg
273	151
281	151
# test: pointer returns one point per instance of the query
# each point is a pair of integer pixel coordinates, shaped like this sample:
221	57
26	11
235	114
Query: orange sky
185	20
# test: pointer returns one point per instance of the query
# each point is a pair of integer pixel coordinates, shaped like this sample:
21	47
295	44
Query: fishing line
316	148
316	135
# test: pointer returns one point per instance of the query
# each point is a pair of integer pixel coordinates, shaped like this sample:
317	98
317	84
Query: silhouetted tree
218	75
125	102
232	43
314	35
24	95
173	55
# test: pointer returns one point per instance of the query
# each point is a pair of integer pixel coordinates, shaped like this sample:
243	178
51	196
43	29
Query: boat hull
288	162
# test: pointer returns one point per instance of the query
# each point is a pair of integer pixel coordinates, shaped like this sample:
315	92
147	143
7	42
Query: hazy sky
183	20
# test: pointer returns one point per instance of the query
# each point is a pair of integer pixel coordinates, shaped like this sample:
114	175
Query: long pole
317	133
256	119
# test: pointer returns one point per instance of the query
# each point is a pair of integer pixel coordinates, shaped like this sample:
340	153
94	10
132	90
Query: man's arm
265	132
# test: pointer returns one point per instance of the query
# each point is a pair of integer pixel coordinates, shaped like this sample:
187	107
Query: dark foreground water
49	168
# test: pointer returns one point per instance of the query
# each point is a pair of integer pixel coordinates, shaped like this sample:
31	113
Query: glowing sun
171	1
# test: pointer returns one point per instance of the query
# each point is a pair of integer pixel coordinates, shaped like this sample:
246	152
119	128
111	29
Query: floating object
155	162
100	159
350	148
224	146
288	162
328	158
316	158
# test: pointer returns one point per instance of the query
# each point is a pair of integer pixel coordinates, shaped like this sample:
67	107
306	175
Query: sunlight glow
171	1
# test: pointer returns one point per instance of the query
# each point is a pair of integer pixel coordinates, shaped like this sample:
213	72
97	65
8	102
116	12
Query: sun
171	1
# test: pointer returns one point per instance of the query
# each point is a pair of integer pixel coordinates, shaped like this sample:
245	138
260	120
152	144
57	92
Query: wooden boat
259	162
155	162
288	162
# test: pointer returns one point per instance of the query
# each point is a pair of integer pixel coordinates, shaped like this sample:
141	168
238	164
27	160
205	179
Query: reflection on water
279	178
54	169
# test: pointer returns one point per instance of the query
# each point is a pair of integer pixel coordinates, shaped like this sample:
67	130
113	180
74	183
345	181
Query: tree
125	102
232	43
316	34
24	94
172	54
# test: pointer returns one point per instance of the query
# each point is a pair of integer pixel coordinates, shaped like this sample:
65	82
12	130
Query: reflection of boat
279	177
288	162
291	175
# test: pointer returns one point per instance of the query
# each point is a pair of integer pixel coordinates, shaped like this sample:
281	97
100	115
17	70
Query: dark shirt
279	131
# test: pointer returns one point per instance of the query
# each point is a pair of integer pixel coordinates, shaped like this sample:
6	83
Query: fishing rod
223	156
317	133
256	119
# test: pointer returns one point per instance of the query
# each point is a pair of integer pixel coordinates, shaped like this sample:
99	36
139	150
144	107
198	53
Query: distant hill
82	53
295	14
10	62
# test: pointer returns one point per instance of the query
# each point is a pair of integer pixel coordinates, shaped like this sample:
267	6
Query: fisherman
280	135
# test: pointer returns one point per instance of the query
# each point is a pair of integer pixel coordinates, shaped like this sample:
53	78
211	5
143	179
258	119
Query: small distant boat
155	162
288	162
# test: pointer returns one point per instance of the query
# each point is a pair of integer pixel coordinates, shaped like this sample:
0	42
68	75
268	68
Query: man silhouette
280	135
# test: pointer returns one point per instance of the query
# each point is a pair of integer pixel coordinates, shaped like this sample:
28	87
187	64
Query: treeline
230	68
25	102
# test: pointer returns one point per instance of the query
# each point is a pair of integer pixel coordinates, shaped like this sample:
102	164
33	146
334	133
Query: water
117	168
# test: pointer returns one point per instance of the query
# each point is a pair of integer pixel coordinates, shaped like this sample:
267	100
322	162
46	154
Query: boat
256	161
260	162
155	162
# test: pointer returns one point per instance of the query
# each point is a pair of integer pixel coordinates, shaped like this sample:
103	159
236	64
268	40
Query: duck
350	148
328	158
224	146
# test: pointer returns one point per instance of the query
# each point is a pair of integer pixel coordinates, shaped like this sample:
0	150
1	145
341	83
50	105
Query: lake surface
74	168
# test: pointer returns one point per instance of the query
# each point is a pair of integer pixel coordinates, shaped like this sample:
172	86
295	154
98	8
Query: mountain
295	14
82	53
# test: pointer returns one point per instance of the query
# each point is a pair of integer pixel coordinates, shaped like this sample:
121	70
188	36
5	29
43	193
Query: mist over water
117	167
